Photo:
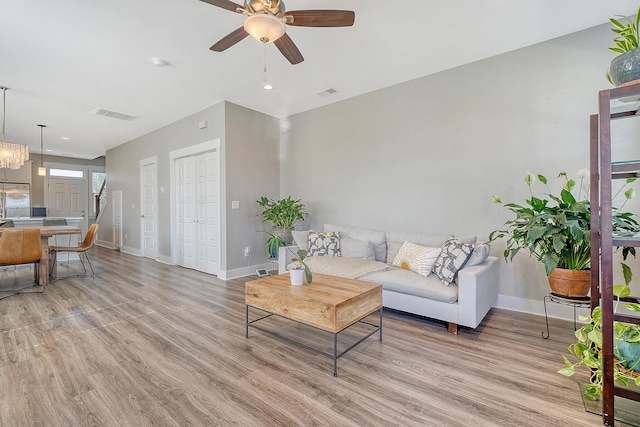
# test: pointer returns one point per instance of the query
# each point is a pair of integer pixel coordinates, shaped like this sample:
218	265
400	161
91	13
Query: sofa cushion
419	259
323	243
353	248
395	239
479	255
301	238
377	238
407	282
451	259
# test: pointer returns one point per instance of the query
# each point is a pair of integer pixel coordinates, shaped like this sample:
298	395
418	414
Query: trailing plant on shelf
555	228
588	349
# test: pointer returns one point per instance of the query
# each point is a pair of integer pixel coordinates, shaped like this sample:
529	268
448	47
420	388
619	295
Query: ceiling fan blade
287	47
229	40
321	18
225	4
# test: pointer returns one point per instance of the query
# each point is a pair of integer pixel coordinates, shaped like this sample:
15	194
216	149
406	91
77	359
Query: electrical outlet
247	251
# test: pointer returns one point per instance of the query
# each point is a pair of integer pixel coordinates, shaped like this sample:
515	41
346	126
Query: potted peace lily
555	229
588	349
299	268
625	68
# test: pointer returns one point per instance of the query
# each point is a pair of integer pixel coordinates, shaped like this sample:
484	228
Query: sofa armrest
477	291
284	257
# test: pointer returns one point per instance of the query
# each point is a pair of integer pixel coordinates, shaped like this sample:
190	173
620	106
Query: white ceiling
62	59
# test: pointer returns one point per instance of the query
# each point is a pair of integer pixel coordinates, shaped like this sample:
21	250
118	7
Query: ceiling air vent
327	92
114	114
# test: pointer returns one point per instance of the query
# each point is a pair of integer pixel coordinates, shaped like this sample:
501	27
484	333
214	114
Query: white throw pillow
419	259
353	248
479	254
301	239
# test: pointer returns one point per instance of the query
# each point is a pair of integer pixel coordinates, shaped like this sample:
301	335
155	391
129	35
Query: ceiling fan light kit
266	22
264	27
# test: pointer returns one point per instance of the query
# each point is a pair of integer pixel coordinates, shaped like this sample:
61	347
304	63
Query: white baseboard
241	272
131	251
165	260
557	311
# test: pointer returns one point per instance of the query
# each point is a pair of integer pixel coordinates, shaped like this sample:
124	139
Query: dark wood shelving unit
603	242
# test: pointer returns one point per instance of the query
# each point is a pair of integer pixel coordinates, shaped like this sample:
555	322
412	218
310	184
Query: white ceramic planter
297	277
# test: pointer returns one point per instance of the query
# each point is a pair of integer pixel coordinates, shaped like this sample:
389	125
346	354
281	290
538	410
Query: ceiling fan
266	21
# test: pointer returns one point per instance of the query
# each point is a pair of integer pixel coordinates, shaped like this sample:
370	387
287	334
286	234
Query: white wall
427	155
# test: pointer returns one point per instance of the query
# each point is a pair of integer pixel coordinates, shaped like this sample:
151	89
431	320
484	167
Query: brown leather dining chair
81	250
21	246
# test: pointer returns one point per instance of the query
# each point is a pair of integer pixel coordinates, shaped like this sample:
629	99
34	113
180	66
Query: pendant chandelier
12	155
42	171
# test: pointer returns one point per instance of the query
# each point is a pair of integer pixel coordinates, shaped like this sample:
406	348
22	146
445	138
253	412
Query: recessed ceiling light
66	138
267	86
159	62
48	150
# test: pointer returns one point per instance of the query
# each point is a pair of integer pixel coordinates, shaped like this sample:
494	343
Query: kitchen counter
37	221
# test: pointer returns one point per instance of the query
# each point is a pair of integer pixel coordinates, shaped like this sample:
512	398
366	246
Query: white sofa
464	302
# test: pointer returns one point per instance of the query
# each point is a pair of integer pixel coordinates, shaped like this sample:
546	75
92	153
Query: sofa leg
453	328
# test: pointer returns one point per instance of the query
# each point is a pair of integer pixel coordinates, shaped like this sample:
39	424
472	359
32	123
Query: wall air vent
327	92
114	114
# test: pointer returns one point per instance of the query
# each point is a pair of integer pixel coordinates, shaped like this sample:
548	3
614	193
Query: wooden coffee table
329	303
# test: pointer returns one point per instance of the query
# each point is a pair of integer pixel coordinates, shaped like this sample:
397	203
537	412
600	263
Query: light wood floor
146	344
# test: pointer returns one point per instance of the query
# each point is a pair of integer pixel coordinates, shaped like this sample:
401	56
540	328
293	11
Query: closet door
197	212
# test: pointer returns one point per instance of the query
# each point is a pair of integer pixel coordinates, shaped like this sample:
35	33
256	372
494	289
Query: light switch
235	204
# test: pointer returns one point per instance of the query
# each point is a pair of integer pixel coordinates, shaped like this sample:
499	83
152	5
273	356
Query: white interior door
116	218
67	198
148	217
197	212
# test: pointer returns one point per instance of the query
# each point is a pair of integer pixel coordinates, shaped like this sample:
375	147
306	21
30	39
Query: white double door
198	211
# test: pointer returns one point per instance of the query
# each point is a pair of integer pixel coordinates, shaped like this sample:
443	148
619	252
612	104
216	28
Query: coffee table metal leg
380	324
335	355
246	322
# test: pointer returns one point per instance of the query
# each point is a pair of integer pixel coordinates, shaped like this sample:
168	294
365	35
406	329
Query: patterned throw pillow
419	259
324	244
452	257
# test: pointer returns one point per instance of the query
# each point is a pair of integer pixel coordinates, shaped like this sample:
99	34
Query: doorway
67	198
148	203
116	218
196	207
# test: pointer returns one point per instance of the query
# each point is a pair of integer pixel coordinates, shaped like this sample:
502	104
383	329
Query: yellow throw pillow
419	259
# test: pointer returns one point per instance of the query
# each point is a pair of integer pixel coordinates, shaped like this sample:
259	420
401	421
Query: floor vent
114	114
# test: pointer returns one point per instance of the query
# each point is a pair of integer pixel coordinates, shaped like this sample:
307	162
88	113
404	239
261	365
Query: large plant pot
284	233
570	283
625	68
630	352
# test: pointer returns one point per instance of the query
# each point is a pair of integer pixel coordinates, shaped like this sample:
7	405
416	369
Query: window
66	173
97	199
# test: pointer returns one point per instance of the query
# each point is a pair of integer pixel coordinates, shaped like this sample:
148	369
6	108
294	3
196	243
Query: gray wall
249	158
427	155
123	173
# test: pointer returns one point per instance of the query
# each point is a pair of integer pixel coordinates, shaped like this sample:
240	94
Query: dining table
45	233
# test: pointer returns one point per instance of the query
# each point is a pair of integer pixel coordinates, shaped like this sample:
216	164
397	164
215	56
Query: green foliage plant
588	349
283	212
556	228
627	36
